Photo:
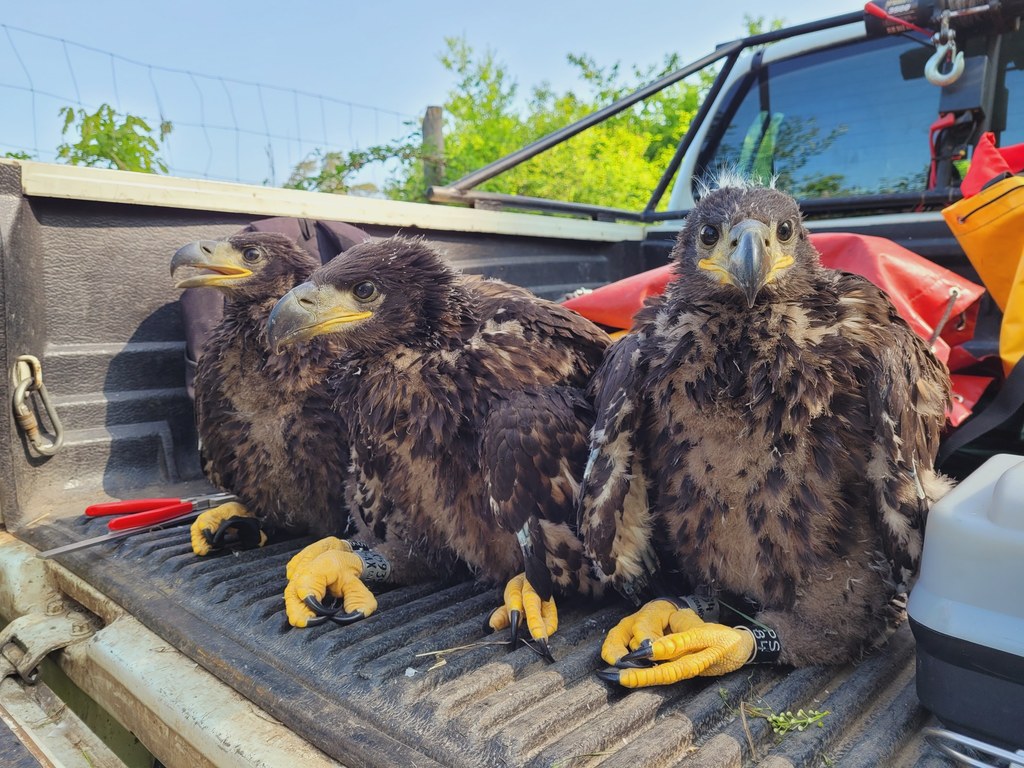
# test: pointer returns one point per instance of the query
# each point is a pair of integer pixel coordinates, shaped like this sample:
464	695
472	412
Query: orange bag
990	228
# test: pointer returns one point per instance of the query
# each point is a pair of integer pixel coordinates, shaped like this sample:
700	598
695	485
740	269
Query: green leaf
107	139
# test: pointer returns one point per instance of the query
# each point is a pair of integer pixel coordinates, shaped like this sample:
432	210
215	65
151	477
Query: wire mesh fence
221	128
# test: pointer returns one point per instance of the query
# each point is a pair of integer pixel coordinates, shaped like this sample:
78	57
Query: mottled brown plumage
768	430
467	422
267	431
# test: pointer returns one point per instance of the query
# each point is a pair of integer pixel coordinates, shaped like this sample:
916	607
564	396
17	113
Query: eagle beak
310	310
222	263
751	257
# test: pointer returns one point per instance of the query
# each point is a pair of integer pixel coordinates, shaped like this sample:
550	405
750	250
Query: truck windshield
832	123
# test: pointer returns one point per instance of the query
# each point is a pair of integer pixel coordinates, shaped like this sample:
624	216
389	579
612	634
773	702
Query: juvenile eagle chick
467	425
769	431
267	431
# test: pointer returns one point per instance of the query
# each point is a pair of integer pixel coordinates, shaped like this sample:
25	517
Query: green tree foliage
333	171
110	140
755	25
616	163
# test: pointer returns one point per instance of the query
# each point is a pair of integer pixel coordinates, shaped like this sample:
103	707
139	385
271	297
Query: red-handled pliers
139	513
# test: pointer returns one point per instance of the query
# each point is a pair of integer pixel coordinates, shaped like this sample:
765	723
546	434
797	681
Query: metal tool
138	515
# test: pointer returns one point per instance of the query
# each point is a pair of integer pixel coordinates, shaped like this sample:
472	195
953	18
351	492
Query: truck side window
1012	121
832	123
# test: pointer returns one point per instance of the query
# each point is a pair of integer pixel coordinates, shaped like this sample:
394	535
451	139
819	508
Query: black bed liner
363	695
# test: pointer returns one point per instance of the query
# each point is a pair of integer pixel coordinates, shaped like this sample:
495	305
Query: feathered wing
907	391
215	422
533	447
573	346
615	515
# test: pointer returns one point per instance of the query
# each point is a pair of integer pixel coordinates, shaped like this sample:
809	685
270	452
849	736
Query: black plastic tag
767	645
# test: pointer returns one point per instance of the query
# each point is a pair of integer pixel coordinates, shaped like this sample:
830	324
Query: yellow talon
326	566
649	623
714	636
211	520
499	619
541	615
705	651
310	552
514	593
683	620
520	596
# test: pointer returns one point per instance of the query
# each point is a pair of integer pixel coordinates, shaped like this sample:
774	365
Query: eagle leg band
767	646
705	607
376	567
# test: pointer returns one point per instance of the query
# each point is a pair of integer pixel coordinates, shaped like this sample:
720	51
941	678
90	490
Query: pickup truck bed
86	289
374	693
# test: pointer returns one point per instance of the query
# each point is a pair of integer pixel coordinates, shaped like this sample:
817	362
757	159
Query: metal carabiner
945	47
28	376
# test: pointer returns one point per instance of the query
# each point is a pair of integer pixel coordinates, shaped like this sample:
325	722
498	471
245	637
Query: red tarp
920	290
990	161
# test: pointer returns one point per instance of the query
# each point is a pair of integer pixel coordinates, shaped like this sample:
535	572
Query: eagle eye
785	231
251	254
365	291
708	235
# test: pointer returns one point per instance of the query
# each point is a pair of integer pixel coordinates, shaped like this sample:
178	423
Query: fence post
433	147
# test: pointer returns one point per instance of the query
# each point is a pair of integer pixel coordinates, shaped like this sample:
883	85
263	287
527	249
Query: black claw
319	608
347	618
488	629
514	618
610	674
540	647
330	612
644	653
625	663
234	532
546	649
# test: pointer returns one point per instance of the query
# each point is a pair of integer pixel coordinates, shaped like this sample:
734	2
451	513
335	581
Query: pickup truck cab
193	659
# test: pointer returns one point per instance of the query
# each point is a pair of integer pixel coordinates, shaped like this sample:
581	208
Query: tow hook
945	47
29	638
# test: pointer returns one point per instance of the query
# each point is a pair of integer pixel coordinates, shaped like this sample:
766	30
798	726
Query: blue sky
342	56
